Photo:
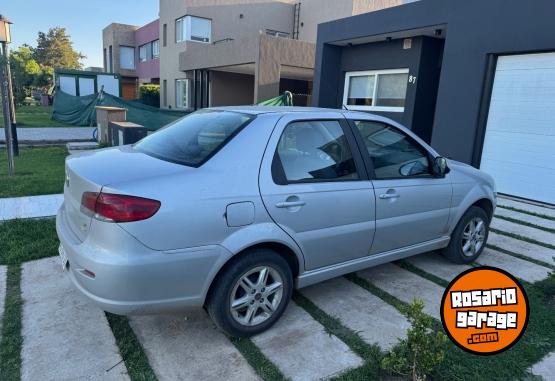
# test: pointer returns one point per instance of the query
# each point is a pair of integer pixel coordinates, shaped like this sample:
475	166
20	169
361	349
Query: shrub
421	352
150	95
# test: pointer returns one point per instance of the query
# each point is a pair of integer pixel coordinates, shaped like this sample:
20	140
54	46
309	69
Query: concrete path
529	250
3	275
51	134
526	206
30	207
302	350
405	286
189	347
64	336
436	264
546	367
544	222
524	231
520	268
376	321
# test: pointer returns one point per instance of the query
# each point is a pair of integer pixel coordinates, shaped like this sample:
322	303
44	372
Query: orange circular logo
485	310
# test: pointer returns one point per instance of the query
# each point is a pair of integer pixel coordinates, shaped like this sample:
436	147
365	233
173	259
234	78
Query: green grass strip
130	349
545	216
257	360
431	277
523	238
526	223
520	256
11	343
370	353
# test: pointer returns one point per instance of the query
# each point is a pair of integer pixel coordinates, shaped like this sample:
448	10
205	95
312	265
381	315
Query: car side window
314	151
393	153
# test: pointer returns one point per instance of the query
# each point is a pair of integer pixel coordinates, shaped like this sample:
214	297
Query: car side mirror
440	168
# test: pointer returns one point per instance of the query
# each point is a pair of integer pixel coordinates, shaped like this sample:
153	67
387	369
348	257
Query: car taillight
118	207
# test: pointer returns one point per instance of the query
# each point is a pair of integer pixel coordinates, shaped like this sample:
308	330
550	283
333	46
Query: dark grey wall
476	31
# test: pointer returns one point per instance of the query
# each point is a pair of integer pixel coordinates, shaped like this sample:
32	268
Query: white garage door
519	146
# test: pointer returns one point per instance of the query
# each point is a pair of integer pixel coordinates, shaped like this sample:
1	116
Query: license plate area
63	257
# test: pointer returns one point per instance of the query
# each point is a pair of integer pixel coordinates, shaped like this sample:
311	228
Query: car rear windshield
194	139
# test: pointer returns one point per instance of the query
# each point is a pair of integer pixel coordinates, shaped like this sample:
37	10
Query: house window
165	34
383	90
276	33
127	57
182	93
105	60
190	28
111	60
165	92
155	49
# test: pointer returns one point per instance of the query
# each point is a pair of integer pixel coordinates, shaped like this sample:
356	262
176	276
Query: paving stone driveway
65	337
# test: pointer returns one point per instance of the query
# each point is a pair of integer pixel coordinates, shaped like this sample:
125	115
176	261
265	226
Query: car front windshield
194	139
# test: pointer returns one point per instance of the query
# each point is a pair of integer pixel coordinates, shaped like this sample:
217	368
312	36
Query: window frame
186	29
278	173
188	105
121	48
376	74
369	163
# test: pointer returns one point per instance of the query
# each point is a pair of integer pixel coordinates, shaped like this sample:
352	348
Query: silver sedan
232	208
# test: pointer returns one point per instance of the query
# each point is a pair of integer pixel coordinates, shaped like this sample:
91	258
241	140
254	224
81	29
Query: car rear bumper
121	275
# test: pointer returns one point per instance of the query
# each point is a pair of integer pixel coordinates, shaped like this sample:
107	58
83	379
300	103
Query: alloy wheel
473	237
256	295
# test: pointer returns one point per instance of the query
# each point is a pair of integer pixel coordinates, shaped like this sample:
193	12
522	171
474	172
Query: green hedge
150	95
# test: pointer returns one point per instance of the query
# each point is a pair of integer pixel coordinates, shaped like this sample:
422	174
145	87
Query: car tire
466	243
231	288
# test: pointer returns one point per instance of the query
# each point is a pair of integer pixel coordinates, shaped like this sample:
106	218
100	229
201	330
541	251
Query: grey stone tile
3	275
405	286
529	250
64	336
546	367
522	230
376	321
525	206
189	347
520	268
546	223
436	264
302	350
30	207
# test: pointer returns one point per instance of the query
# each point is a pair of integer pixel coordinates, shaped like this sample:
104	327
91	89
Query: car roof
256	110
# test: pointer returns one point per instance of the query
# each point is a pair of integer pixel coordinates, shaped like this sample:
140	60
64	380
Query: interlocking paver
546	367
522	230
30	207
302	350
64	336
520	268
189	347
376	321
436	264
544	222
527	249
405	286
526	206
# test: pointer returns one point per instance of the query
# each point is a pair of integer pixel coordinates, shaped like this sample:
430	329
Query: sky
83	20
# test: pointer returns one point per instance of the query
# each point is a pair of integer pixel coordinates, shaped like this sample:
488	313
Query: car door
315	187
412	205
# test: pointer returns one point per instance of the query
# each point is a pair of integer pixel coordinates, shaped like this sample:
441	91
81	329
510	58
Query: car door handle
290	204
386	196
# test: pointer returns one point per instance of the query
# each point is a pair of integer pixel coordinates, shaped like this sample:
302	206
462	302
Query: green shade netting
286	99
80	111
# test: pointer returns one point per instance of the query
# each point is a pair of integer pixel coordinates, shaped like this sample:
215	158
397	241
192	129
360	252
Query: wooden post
7	111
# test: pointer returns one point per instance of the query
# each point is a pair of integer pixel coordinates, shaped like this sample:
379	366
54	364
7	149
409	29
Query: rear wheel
251	294
469	237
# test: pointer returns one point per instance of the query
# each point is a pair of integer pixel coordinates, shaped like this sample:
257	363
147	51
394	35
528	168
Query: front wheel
251	294
469	237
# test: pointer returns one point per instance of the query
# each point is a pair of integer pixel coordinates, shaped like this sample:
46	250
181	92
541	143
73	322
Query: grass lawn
34	116
24	240
37	171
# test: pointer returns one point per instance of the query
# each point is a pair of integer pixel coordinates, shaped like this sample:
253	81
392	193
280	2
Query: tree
55	50
25	72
